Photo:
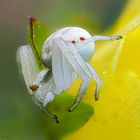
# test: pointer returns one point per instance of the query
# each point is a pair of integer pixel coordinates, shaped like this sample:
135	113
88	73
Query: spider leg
79	96
49	97
27	65
48	113
97	38
42	105
97	79
39	83
77	63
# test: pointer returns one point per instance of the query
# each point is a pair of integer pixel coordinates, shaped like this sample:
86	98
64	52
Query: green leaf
25	121
69	121
37	34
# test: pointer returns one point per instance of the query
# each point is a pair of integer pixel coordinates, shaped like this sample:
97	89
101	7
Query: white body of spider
65	54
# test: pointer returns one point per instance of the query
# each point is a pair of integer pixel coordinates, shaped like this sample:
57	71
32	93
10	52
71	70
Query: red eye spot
82	38
73	42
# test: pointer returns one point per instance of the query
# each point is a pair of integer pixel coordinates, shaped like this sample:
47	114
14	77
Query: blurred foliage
33	124
94	15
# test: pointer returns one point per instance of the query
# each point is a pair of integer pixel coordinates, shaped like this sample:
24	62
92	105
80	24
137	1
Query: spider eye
73	41
82	38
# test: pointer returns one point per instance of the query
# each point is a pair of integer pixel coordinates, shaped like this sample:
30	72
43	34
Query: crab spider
65	54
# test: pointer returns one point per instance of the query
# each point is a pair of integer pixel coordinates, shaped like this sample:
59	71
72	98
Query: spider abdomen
73	35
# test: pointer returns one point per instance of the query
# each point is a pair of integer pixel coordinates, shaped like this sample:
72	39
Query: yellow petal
117	113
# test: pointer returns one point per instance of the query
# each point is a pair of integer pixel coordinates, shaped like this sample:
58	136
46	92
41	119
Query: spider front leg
97	79
49	97
48	113
70	53
80	95
39	83
42	106
84	87
98	38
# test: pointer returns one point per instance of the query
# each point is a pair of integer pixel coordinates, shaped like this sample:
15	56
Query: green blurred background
19	118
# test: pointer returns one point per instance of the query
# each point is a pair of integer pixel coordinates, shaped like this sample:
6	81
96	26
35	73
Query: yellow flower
117	113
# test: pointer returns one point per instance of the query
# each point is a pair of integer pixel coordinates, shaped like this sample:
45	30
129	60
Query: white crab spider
65	55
